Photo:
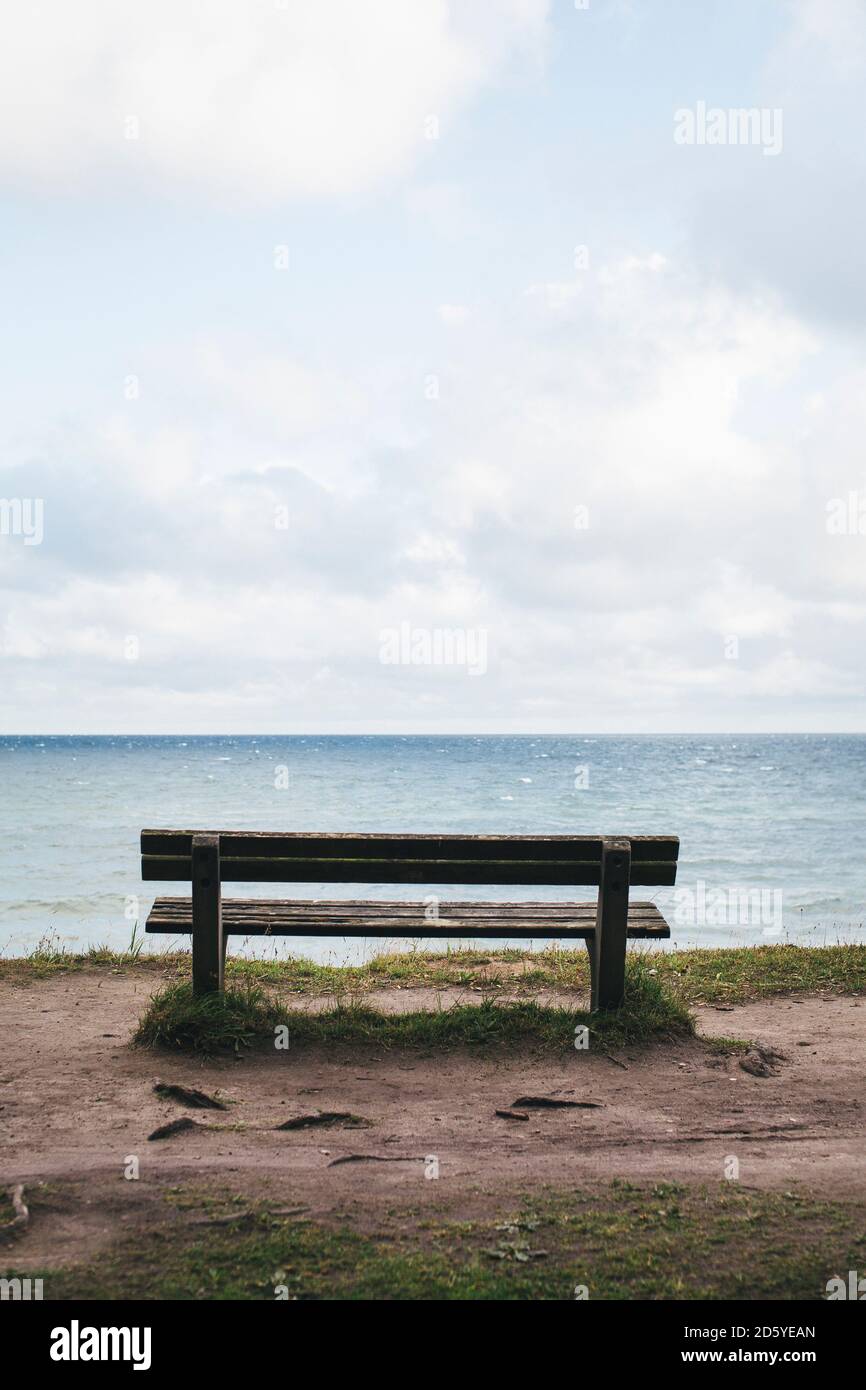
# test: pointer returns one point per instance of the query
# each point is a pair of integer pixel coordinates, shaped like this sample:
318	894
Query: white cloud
837	26
453	314
251	102
635	400
287	396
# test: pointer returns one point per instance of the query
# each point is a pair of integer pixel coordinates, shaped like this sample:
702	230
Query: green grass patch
621	1241
732	975
243	1016
51	957
230	1021
761	972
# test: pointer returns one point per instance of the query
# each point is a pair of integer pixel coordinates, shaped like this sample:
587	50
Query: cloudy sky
331	320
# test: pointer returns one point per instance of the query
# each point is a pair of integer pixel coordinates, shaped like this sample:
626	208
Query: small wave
85	905
818	904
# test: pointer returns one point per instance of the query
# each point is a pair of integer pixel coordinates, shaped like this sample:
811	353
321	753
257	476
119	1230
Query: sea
772	826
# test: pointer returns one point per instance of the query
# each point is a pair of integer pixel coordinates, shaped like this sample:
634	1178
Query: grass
618	1241
733	975
247	1014
761	972
51	957
726	1047
236	1019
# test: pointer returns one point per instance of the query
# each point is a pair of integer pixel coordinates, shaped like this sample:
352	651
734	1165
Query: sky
433	368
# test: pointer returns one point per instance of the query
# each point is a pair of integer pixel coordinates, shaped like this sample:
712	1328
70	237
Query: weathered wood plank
304	922
315	845
328	907
240	908
249	917
578	873
608	949
208	942
441	933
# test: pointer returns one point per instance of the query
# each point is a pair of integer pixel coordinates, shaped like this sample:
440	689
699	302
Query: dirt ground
76	1102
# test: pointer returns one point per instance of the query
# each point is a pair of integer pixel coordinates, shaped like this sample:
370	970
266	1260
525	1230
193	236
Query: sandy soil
76	1102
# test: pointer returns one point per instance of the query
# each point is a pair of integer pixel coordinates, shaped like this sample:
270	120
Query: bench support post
607	948
208	942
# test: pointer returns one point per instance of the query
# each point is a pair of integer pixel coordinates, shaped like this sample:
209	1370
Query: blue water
772	827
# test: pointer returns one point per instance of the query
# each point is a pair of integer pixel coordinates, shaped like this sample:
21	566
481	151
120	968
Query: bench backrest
266	857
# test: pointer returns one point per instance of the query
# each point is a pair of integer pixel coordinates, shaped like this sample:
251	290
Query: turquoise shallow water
773	827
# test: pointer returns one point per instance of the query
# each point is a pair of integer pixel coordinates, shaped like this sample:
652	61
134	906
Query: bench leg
208	944
607	950
591	943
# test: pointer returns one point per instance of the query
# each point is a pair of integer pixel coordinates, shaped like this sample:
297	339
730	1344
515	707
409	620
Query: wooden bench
208	860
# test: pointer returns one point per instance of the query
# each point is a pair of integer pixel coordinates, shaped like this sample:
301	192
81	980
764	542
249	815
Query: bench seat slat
255	917
330	908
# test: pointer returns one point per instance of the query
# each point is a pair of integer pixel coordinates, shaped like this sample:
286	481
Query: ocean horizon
762	859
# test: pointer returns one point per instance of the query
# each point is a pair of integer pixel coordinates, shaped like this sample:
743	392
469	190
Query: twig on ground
22	1213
